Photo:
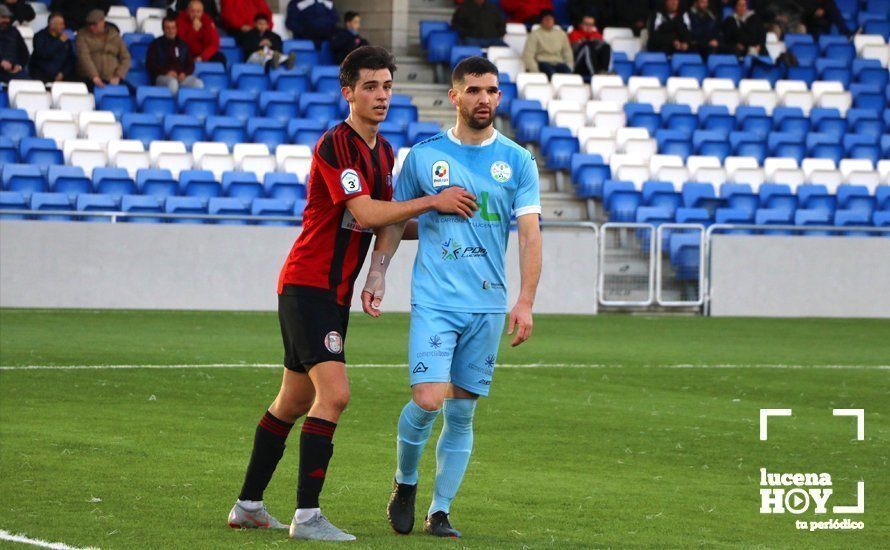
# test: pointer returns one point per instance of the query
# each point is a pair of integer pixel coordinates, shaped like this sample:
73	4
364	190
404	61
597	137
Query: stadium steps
425	10
412	68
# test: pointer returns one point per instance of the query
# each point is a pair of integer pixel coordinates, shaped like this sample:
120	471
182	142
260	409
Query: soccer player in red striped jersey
349	194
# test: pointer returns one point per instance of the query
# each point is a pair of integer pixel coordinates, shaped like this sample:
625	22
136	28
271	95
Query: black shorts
313	327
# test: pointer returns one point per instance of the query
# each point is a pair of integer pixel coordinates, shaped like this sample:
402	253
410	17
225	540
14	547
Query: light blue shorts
456	347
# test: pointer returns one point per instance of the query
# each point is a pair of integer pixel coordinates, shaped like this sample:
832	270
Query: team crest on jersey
333	342
389	181
501	171
441	174
350	181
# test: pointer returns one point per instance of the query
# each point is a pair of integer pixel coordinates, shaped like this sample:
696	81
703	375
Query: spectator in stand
211	7
198	31
479	23
75	11
314	20
592	54
599	9
547	48
53	58
632	14
668	32
704	28
102	56
525	11
779	16
13	50
22	12
238	17
348	38
820	15
743	32
263	46
168	60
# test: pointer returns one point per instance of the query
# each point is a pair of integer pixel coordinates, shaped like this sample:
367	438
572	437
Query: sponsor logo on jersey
350	181
501	171
485	209
333	342
452	250
352	225
420	367
488	285
441	174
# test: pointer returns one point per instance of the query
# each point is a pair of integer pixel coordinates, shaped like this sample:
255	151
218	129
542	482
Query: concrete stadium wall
800	276
161	266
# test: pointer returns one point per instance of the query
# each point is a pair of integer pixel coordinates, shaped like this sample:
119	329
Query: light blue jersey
460	263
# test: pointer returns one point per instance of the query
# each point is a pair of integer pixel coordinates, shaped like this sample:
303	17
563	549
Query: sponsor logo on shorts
489	361
333	342
420	367
484	382
435	341
487	370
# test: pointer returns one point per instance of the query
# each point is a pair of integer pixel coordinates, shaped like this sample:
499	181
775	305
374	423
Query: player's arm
373	213
530	273
385	246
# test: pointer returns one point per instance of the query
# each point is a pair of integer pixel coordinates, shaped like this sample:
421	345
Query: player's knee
429	400
336	400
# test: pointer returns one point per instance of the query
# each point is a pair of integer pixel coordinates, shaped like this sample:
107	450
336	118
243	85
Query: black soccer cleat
400	509
439	526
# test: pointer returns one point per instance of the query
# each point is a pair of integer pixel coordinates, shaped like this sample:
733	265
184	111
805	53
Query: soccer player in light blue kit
459	294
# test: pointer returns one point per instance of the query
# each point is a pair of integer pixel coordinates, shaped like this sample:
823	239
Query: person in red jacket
525	11
592	54
238	16
197	29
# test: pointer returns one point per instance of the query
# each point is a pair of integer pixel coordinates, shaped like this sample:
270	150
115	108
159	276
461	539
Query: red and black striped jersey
332	247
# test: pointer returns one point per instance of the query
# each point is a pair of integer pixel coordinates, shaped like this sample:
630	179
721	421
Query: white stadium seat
27	34
696	162
611	33
132	161
516	28
715	175
86	117
563	105
849	166
85	153
677	175
791	176
863	40
734	163
748	85
560	80
727	98
870	179
711	84
623	135
655	96
579	93
598	81
588	132
541	92
615	94
125	24
637	82
693	98
156	148
573	120
799	98
286	151
596	106
784	86
605	119
114	147
829	178
752	176
516	41
300	166
630	46
279	24
524	79
153	26
201	148
657	162
842	101
820	87
58	89
604	147
102	132
645	148
259	165
158	13
175	162
676	83
879	52
810	165
217	163
762	98
884	170
511	66
771	164
634	173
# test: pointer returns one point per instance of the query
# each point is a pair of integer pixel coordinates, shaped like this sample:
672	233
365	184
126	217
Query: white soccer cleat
241	518
318	528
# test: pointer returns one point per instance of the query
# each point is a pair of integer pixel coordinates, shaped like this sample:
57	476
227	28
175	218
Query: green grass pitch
617	450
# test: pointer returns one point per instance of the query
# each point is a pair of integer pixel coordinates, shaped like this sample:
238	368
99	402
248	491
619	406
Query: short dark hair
373	58
545	13
262	16
475	65
349	16
169	17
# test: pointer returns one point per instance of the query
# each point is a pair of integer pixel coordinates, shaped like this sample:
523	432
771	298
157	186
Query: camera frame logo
800	492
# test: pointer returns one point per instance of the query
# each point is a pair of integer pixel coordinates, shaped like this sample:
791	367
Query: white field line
6	535
403	365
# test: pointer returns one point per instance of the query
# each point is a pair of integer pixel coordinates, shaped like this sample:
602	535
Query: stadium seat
621	199
419	131
142	204
68	179
184	206
24	178
113	181
199	183
241	185
214	75
156	100
283	186
225	206
249	77
52	202
40	151
318	107
816	198
853	218
777	196
72	97
273	208
661	194
197	102
269	131
289	80
240	104
116	99
281	106
15	124
774	216
226	129
739	197
427	27
306	132
155	182
144	127
13	200
9	152
88	202
185	128
807	217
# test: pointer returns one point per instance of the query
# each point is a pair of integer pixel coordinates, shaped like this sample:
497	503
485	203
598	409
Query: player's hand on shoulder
456	200
372	294
521	322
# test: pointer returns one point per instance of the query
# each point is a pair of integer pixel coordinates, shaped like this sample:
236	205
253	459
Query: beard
470	119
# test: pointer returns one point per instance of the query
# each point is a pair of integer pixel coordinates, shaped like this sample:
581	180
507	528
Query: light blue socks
415	425
452	452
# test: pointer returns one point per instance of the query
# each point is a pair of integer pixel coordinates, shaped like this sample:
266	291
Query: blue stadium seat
156	100
853	218
711	143
806	217
52	202
8	151
685	255
68	179
652	215
113	181
282	186
753	119
642	115
231	51
227	129
774	216
748	144
321	71
699	195
821	145
144	127
240	104
589	172
777	196
328	84
842	51
394	134
882	219
881	27
297	45
131	38
725	66
806	53
15	125
305	131
185	128
885	140
307	59
419	131
815	197
156	182
786	144
621	200
40	151
13	200
735	216
319	107
199	183
402	115
804	74
791	120
689	65
142	204
4	101
289	80
242	186
138	77
693	215
868	97
860	146
427	27
855	198
558	145
622	66
273	208
459	53
661	194
270	131
116	99
764	68
509	92
870	71
674	142
865	122
250	77
279	105
882	198
716	118
679	117
24	178
214	75
835	70
88	202
185	205
653	64
197	102
225	206
827	121
439	45
740	197
528	120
